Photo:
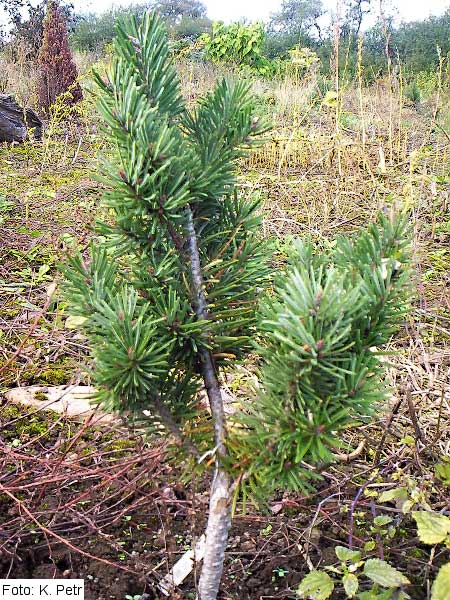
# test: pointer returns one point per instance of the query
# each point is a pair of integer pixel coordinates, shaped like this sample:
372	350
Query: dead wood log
17	122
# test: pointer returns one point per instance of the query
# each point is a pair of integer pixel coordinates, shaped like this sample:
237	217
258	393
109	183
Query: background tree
94	31
298	17
354	13
26	22
296	24
169	296
172	11
417	42
30	30
58	73
12	9
190	29
185	20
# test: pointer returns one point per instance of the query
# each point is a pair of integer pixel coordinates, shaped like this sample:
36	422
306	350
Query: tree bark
218	526
219	517
15	121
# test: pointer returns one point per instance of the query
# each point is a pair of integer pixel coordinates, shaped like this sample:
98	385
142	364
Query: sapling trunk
219	518
219	521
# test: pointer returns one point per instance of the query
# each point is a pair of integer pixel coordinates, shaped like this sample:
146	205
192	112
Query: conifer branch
175	237
171	425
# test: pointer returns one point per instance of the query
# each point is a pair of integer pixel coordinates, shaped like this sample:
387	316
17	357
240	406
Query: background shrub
58	73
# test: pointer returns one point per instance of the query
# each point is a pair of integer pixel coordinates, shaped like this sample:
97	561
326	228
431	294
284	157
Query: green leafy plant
6	206
301	63
443	468
441	584
279	573
412	92
434	528
408	495
427	82
387	582
237	44
318	585
173	294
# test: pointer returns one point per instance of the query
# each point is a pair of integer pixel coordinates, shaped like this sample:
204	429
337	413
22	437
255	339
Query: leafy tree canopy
184	19
172	11
25	21
298	17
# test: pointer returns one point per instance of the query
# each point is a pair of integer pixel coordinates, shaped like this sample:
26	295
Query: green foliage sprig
323	330
135	290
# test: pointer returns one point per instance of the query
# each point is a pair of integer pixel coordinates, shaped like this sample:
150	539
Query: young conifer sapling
179	288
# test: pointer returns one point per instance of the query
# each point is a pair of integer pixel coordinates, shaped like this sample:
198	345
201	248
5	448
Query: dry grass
18	75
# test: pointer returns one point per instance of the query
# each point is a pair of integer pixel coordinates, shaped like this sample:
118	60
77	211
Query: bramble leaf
382	520
441	584
432	527
317	585
394	494
381	572
351	584
345	554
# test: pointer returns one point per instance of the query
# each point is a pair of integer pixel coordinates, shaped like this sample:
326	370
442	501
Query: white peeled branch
182	568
